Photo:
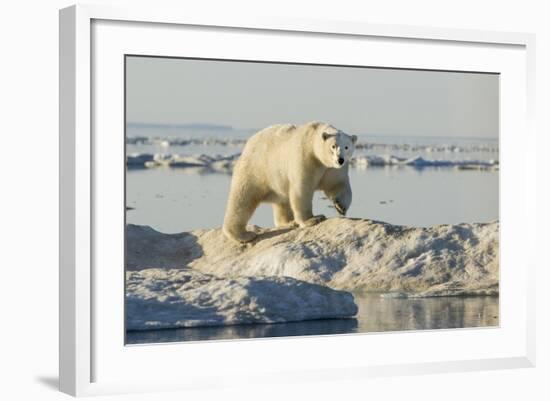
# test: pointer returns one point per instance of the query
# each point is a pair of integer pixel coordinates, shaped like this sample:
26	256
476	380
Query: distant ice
365	156
225	164
201	163
139	160
420	162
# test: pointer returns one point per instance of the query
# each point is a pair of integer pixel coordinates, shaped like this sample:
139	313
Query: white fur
284	165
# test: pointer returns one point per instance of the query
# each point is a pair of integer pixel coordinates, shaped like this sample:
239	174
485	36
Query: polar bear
284	165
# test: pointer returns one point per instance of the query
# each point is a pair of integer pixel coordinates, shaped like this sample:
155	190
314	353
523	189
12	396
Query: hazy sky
356	100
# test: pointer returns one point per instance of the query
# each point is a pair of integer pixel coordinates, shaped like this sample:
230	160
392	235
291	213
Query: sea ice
420	162
171	298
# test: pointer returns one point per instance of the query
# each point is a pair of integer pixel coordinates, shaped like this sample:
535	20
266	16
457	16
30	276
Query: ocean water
176	200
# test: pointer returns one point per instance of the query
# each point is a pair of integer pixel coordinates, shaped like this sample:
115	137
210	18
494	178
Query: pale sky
356	100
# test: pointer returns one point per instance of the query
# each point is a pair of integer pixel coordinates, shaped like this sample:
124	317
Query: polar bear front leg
341	198
301	203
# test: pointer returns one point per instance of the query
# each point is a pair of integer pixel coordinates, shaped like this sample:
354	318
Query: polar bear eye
333	146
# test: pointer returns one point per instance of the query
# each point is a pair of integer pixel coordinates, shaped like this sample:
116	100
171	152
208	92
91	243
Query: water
176	200
376	314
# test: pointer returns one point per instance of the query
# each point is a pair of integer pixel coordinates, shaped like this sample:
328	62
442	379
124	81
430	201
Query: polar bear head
337	147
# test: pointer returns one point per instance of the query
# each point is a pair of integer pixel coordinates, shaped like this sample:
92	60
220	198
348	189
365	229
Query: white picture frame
84	328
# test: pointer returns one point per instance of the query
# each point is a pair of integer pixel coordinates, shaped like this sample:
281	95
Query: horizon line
228	127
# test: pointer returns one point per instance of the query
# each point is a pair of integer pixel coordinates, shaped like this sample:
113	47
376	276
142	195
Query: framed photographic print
282	200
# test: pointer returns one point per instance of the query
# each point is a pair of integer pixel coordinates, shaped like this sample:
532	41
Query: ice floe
200	163
171	298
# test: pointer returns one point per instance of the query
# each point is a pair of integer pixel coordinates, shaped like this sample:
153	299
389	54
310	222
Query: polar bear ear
354	138
325	136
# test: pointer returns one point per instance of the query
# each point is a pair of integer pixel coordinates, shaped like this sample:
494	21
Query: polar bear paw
247	236
313	221
340	208
289	225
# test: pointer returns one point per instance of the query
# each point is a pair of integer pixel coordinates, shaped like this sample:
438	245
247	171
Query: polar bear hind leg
240	209
282	215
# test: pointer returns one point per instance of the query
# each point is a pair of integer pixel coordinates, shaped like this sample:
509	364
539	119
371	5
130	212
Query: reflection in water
375	314
307	328
394	314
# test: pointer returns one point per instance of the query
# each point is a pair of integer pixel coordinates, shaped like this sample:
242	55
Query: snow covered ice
172	298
